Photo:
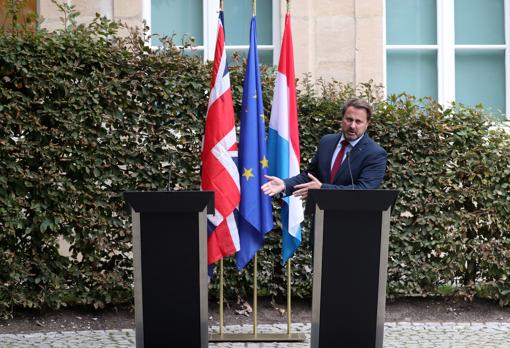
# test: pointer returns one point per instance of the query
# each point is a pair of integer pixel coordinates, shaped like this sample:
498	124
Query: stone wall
340	39
128	11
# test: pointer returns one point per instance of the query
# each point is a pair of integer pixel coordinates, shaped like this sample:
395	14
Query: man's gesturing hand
302	189
274	186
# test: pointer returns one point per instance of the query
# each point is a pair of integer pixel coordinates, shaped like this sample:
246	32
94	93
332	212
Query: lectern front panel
348	262
350	266
356	281
167	280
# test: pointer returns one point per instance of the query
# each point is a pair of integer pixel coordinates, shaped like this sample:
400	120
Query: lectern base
261	337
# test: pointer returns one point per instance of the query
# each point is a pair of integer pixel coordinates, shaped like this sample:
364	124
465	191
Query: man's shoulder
374	147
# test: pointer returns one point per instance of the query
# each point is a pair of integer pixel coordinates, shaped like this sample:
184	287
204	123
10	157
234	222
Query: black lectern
170	263
349	270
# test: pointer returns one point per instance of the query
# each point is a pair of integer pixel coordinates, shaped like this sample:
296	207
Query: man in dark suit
339	156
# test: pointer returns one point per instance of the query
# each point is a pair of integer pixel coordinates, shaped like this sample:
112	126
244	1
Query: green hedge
86	115
451	227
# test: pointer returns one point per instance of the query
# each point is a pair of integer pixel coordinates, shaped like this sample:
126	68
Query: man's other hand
302	189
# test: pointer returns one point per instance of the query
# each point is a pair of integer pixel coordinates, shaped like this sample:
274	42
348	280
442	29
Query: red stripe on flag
220	45
286	67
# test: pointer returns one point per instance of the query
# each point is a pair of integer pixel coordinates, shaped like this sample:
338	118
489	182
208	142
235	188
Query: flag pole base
261	337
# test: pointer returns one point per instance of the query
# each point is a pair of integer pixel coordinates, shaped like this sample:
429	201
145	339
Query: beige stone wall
128	11
369	41
340	39
48	11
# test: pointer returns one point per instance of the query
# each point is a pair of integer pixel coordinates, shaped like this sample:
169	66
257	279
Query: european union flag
255	210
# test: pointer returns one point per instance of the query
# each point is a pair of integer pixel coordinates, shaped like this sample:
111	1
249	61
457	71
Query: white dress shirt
347	150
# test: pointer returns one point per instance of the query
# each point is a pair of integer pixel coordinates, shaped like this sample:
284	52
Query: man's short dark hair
358	104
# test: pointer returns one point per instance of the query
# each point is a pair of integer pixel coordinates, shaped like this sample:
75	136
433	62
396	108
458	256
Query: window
197	20
451	50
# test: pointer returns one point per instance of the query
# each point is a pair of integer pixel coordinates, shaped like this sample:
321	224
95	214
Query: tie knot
344	143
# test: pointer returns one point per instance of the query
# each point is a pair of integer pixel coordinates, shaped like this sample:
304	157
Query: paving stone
399	334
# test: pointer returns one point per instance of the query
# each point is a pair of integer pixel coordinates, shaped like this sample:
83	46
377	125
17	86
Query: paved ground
396	334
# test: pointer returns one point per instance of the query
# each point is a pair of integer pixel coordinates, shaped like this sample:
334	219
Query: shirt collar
352	143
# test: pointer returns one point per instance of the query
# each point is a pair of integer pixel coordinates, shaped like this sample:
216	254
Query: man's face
354	123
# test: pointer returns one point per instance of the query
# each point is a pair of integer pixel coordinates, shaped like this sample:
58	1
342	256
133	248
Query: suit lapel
359	146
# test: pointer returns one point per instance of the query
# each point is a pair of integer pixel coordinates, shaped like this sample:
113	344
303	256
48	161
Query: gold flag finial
221	5
254	5
288	6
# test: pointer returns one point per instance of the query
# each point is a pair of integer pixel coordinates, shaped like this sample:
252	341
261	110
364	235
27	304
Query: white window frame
446	49
210	28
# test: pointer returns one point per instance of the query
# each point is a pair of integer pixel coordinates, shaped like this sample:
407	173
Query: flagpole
221	297
254	12
289	278
289	308
221	5
255	295
289	293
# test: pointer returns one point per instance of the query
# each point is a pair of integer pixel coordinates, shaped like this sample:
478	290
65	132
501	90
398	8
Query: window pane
480	78
265	56
411	22
479	22
413	72
237	22
181	17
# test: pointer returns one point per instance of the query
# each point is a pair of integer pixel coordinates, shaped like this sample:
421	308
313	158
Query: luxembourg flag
283	142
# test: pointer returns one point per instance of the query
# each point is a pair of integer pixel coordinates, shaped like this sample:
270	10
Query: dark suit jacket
367	159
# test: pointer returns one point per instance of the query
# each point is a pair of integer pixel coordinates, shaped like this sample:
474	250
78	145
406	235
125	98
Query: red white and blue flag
219	155
283	142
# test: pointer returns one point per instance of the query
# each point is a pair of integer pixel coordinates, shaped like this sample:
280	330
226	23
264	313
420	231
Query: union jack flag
219	156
